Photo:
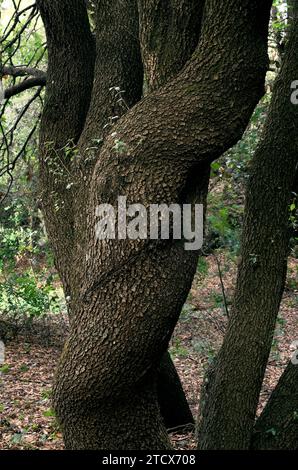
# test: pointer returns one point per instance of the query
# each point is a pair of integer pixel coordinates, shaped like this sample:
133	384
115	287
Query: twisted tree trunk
120	67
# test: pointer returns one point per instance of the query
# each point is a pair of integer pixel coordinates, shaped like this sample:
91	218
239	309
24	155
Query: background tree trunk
277	427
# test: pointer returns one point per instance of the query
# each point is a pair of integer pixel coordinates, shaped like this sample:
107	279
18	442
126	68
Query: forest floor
26	418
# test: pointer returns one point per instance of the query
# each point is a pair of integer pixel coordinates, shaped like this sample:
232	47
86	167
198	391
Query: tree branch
21	71
25	85
70	70
70	76
118	64
169	34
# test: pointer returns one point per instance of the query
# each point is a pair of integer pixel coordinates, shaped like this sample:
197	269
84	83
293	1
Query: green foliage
294	211
292	279
120	147
279	23
17	438
293	219
5	368
233	166
217	299
177	350
23	295
27	292
20	114
228	181
49	413
187	312
224	222
46	394
30	49
203	267
15	242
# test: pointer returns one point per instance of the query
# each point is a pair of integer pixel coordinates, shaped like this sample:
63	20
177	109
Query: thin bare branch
20	71
25	85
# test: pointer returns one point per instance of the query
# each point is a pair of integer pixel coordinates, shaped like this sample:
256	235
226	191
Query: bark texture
70	74
169	34
277	427
128	294
234	382
118	66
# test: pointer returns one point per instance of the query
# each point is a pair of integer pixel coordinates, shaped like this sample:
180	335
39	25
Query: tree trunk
277	427
126	295
169	33
69	86
234	382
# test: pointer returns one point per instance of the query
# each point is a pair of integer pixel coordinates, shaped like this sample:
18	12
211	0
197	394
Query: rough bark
169	34
118	64
277	427
234	382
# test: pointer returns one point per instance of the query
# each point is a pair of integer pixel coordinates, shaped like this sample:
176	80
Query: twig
222	286
183	427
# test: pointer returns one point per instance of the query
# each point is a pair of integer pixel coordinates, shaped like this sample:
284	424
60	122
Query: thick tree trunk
234	383
121	67
113	379
129	293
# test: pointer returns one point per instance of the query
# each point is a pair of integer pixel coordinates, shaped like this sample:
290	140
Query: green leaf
49	413
5	369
